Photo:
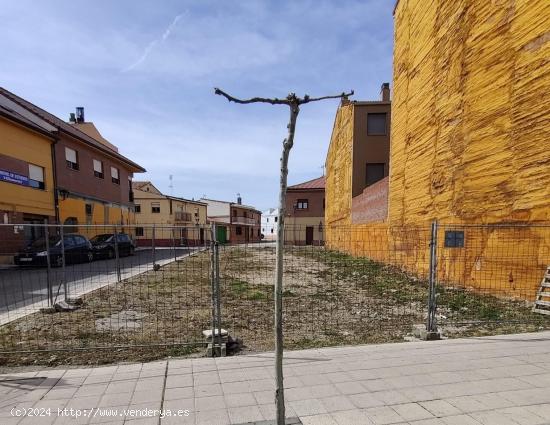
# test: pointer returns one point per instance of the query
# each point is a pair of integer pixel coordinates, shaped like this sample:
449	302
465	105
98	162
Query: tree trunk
287	146
293	102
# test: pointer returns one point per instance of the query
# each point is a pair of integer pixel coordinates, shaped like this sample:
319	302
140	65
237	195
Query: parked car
78	249
104	245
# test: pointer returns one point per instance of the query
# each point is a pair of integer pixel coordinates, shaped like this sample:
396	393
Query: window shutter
70	155
98	166
376	124
36	173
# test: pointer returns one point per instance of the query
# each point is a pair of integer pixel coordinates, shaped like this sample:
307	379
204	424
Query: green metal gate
221	234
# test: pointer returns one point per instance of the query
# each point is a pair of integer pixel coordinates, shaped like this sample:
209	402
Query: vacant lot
330	299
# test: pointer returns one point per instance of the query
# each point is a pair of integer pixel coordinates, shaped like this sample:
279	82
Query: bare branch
230	98
308	99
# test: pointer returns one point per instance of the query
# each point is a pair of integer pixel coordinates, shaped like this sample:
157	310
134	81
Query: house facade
358	162
470	137
270	224
235	222
178	221
469	147
26	177
92	180
305	213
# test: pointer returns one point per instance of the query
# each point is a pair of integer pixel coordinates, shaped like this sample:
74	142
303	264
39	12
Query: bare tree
293	102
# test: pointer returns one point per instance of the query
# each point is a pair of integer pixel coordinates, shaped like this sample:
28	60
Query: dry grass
330	299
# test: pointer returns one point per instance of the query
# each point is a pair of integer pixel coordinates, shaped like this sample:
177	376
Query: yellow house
177	221
26	177
469	144
92	179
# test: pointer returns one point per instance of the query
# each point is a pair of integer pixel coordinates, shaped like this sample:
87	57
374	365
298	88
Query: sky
145	73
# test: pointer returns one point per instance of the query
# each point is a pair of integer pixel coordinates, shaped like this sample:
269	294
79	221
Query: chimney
385	92
72	118
239	199
79	114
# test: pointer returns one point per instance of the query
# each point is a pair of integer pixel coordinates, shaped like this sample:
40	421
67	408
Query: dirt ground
329	299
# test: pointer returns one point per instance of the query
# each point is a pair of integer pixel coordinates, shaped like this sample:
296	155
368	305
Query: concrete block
219	352
419	331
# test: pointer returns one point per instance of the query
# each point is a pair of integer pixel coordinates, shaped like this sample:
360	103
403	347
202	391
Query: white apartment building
269	224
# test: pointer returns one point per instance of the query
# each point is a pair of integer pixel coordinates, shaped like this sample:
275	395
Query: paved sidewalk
494	380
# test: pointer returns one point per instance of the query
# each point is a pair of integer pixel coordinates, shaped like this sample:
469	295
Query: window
36	176
376	124
122	238
137	208
267	219
139	231
251	232
88	209
155	207
68	241
71	157
375	172
272	230
259	234
98	168
114	175
234	213
239	230
302	204
79	240
454	239
276	219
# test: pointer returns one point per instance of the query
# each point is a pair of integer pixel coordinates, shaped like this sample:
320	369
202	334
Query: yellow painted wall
26	145
470	133
338	167
116	214
471	111
295	229
145	199
146	217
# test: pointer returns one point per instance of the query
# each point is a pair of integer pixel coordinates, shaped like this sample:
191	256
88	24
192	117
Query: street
23	287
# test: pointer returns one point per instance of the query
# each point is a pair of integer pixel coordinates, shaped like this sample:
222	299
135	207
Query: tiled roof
14	116
234	204
139	184
68	128
318	183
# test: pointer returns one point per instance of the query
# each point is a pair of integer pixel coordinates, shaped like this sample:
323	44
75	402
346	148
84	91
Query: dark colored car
78	249
104	245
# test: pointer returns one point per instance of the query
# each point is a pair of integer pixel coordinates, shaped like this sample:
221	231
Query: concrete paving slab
493	380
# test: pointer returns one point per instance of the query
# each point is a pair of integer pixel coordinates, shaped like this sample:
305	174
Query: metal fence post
63	276
173	230
431	325
117	255
153	254
213	289
217	288
48	270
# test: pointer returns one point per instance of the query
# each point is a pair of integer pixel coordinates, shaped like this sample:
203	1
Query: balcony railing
243	220
182	216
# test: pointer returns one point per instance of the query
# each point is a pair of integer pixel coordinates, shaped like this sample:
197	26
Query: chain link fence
85	294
